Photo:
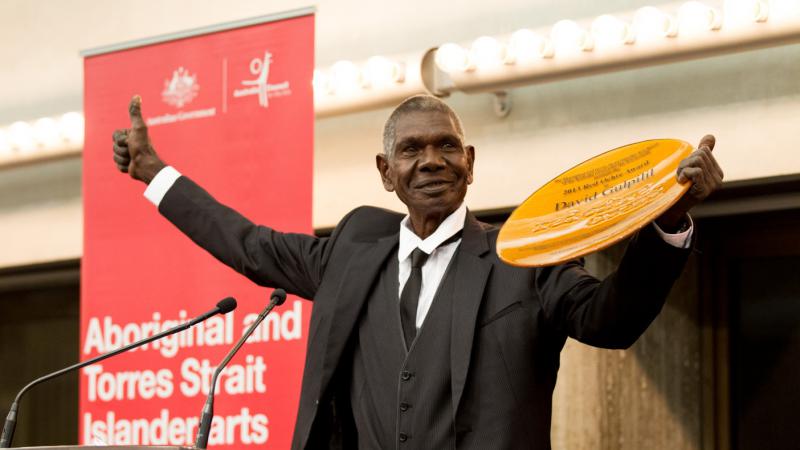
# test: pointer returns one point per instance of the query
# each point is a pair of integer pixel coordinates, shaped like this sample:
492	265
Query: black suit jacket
509	324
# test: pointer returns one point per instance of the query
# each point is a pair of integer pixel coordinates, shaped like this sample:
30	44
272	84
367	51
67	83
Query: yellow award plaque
595	204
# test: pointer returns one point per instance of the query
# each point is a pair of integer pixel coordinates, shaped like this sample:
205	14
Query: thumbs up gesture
133	152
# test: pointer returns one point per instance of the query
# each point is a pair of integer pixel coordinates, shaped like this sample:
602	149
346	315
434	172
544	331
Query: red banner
233	110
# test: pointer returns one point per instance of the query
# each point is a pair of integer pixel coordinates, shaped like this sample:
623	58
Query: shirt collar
450	226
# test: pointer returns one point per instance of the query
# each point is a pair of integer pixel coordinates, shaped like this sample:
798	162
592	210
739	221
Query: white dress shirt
434	268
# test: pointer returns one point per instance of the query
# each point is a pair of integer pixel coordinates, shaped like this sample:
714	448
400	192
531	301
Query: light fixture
696	17
744	12
609	31
452	58
569	38
653	35
651	24
320	82
45	132
783	10
344	77
486	52
70	127
5	145
380	71
526	46
21	137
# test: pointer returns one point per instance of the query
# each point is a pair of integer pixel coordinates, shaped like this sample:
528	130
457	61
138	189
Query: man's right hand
133	152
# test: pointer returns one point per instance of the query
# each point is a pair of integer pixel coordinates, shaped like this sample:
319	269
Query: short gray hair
423	103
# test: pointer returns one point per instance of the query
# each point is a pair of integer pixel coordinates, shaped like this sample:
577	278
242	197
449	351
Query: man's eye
449	146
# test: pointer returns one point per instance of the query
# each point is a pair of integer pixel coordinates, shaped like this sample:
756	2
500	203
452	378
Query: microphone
276	299
224	306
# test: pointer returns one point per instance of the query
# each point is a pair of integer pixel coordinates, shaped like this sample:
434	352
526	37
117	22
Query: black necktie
409	298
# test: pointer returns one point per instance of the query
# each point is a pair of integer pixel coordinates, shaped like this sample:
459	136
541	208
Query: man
420	337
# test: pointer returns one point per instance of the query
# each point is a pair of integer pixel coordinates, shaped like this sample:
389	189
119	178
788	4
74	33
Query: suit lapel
363	267
471	274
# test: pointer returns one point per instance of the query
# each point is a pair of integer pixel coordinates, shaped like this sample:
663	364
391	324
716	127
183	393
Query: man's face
430	167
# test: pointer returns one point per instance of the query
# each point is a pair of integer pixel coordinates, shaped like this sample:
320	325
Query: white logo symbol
181	89
260	85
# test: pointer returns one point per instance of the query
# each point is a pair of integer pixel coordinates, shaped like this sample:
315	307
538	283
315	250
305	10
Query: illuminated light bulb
45	132
380	71
70	127
695	17
5	145
744	12
608	31
650	23
344	77
525	46
452	58
780	10
21	137
568	37
486	52
320	82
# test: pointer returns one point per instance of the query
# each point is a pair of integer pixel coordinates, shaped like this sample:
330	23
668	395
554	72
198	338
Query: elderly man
420	337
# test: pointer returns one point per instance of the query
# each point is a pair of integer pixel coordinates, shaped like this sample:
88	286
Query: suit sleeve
292	261
614	312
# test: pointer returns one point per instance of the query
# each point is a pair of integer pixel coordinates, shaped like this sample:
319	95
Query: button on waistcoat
402	399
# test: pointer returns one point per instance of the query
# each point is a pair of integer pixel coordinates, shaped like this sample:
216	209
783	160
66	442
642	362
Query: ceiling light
609	31
486	52
70	127
744	12
5	145
320	82
344	77
650	23
45	132
695	17
21	136
452	58
380	71
569	38
525	46
780	10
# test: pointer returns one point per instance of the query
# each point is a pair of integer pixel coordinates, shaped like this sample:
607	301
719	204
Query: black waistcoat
402	399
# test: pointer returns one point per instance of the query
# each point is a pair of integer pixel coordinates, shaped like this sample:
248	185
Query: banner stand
231	107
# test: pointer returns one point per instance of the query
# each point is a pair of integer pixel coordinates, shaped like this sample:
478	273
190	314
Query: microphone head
226	305
278	296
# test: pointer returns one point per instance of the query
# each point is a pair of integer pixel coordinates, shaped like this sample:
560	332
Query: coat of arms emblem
181	89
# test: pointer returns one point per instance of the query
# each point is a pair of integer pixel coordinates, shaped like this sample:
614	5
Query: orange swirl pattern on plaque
595	204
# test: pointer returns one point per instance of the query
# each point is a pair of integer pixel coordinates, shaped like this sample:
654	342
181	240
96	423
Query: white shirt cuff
680	240
160	184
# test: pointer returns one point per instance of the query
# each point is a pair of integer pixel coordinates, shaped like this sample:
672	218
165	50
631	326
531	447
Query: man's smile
433	186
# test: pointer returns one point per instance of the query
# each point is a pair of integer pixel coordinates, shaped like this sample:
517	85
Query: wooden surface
646	397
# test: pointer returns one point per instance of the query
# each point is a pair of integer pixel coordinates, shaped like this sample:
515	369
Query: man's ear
470	150
383	168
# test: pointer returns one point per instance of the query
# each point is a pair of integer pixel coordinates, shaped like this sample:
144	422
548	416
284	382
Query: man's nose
431	158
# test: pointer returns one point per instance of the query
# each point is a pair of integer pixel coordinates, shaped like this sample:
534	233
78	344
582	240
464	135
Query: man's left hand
702	170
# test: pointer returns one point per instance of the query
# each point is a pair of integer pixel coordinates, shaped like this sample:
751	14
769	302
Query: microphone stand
277	298
11	419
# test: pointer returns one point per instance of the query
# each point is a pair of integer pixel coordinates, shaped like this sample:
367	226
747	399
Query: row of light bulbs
47	133
565	38
379	74
345	76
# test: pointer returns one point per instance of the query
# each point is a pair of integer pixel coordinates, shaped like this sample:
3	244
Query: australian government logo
179	90
260	87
